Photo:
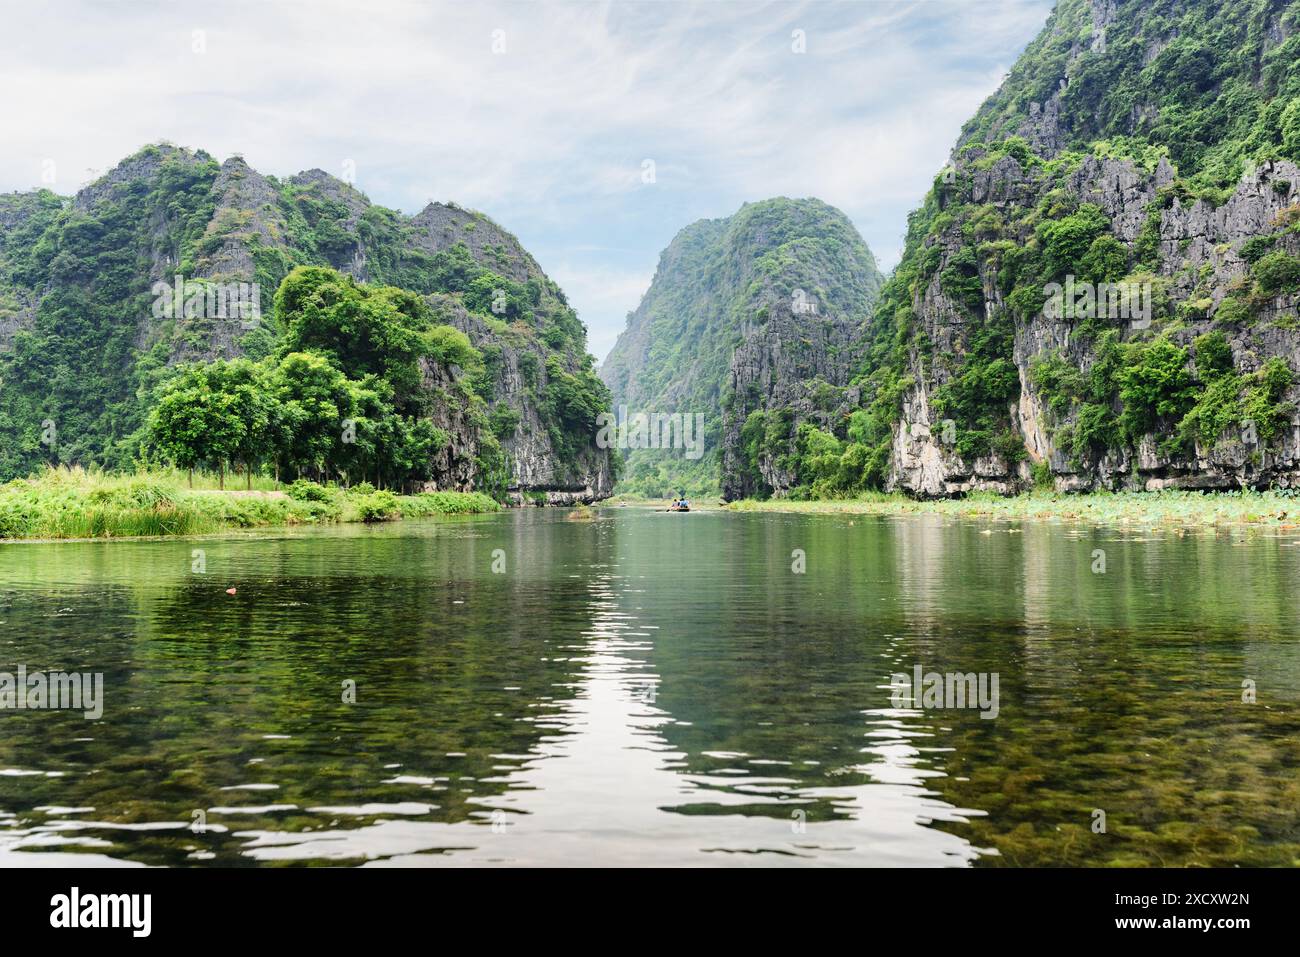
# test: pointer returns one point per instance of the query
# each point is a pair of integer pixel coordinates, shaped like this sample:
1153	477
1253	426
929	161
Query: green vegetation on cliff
1215	84
85	347
1208	89
78	363
719	284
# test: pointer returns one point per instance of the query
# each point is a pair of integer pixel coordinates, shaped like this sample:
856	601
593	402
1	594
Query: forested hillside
93	316
1144	153
750	321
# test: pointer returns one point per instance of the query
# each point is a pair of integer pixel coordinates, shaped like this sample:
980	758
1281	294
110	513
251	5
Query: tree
247	388
365	330
194	422
317	405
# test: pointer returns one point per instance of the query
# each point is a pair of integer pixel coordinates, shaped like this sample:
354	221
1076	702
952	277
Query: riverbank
71	503
1169	508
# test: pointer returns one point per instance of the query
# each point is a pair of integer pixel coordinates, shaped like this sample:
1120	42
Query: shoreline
64	505
1172	509
70	505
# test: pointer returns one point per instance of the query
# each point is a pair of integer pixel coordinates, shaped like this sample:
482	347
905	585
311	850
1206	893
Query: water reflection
655	689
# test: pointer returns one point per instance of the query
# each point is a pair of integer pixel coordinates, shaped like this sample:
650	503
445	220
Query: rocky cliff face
1199	267
998	389
79	277
516	374
795	366
754	315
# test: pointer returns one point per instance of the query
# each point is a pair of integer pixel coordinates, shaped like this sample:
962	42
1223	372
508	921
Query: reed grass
62	503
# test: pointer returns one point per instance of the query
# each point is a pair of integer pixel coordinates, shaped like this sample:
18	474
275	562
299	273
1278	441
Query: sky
594	131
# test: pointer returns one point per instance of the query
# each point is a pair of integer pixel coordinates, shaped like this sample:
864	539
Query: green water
648	688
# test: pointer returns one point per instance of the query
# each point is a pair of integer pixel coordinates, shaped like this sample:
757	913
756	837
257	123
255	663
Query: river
645	688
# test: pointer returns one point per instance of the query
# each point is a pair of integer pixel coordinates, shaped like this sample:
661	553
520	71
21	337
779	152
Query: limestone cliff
749	320
1146	155
80	281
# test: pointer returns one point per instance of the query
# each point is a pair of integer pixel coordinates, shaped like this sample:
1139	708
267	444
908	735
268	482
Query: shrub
1009	446
1277	273
1154	383
1232	311
450	346
305	490
1042	473
1256	247
1067	240
136	493
1059	381
378	507
1213	355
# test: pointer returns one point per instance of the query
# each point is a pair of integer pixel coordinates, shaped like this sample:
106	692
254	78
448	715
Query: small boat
679	508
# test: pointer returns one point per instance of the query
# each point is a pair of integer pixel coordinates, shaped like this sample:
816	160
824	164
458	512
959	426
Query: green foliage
1042	475
73	503
830	467
978	394
1059	381
1146	248
1254	248
1264	404
445	503
662	477
1277	273
1231	402
1154	384
1068	240
960	280
305	490
1135	386
765	441
504	421
572	401
215	413
451	347
1217	91
717	279
92	363
315	399
379	506
365	330
1206	83
346	394
1232	311
1107	260
300	411
75	364
1213	356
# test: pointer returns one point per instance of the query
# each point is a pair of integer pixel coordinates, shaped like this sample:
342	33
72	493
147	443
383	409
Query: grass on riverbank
1173	508
72	503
